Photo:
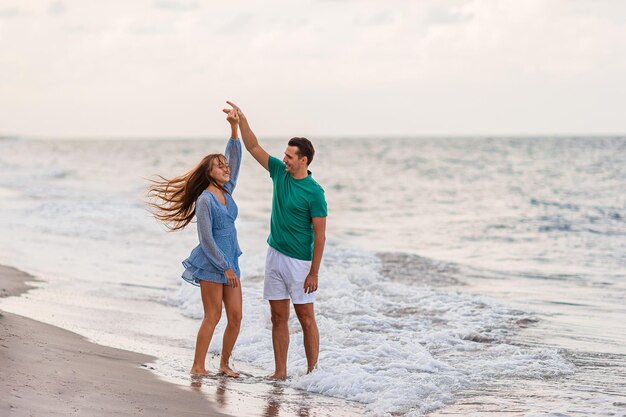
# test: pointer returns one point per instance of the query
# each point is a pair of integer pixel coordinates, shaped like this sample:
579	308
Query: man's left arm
319	240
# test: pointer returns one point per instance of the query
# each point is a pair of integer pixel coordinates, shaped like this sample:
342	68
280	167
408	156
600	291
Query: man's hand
236	109
310	283
319	240
232	278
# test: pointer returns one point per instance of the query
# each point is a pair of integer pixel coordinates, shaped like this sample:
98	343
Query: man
296	242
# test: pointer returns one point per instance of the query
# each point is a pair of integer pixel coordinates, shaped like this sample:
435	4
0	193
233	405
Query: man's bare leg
280	336
306	315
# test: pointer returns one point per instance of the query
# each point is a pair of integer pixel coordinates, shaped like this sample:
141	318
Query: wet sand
53	372
50	371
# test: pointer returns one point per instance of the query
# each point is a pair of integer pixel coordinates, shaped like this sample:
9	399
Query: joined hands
235	111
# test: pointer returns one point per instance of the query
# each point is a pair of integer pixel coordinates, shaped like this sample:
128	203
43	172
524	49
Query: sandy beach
53	372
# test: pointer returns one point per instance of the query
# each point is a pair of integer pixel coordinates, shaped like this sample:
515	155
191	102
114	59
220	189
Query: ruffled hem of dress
194	275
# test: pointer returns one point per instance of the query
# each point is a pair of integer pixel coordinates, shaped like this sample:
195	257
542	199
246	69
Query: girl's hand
232	117
232	278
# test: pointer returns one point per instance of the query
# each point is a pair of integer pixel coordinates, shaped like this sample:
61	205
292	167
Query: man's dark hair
305	148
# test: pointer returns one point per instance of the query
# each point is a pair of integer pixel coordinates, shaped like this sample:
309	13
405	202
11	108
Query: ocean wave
396	347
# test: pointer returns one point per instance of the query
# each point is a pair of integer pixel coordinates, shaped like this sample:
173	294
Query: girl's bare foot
225	370
198	372
278	376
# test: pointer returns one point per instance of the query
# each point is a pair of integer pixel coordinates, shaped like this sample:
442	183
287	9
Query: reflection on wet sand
304	410
221	396
259	397
273	402
220	392
276	396
196	382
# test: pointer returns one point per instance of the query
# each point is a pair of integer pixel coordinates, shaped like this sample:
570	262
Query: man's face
293	162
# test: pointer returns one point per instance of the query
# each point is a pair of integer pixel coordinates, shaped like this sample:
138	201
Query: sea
477	276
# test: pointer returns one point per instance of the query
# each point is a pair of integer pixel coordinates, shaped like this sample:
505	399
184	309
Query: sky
337	68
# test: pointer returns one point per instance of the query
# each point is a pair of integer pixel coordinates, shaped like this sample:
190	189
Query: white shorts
284	278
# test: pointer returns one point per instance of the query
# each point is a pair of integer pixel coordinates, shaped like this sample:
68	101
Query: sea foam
394	347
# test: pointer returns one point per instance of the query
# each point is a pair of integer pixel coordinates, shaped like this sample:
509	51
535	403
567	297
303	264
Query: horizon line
323	137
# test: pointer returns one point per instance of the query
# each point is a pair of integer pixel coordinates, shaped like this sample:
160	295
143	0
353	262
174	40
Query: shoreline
51	371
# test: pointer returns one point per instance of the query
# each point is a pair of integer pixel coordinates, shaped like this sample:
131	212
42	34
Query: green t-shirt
294	203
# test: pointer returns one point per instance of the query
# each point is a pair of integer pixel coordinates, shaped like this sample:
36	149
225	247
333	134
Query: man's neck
300	174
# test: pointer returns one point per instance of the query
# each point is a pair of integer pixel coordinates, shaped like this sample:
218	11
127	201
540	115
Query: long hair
173	202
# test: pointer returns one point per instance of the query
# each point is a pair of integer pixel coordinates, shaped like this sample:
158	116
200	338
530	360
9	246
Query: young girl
206	193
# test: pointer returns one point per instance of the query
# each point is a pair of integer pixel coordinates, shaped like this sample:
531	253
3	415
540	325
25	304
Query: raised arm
249	138
233	156
233	151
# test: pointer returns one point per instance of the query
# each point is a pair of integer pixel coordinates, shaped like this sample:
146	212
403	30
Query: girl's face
220	171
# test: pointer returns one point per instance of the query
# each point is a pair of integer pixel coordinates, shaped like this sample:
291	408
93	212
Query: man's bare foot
225	370
278	376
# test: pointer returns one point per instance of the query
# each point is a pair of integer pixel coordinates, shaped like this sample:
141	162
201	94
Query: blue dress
218	249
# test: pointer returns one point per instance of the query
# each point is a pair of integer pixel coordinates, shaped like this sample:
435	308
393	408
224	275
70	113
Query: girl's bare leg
212	302
232	303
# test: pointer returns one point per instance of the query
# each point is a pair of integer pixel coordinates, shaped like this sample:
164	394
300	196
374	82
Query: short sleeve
318	204
275	166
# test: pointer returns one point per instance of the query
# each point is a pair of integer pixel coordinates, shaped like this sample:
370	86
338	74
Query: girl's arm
233	156
233	150
205	234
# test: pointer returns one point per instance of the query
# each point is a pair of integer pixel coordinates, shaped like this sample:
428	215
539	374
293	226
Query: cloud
177	6
57	8
11	12
448	16
75	29
378	19
147	28
444	60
